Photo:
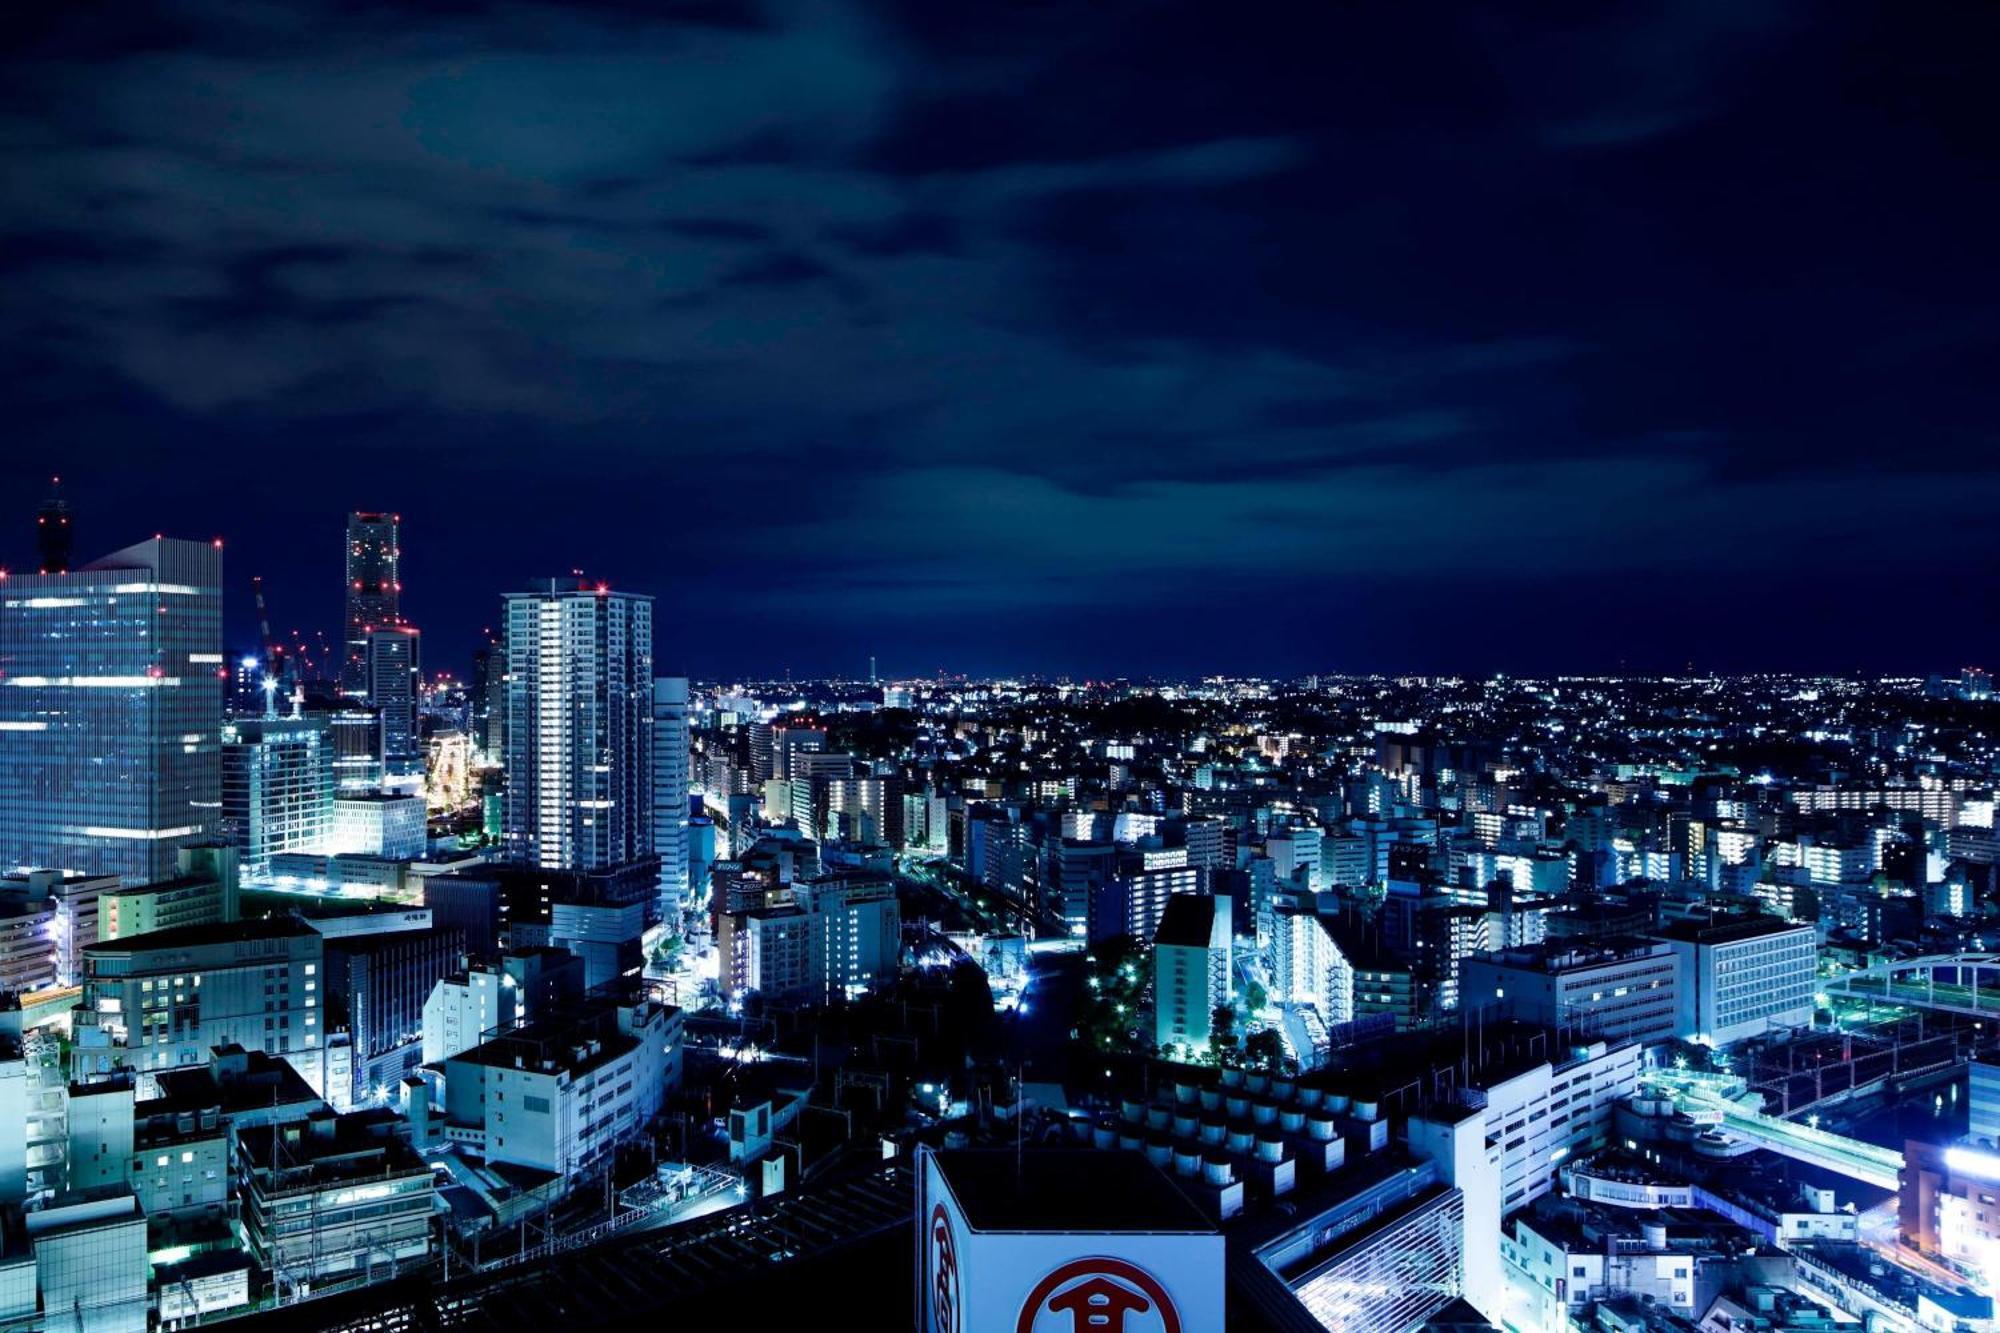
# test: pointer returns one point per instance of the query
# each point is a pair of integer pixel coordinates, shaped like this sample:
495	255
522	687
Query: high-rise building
579	726
374	589
112	707
670	794
277	786
485	697
1191	976
395	666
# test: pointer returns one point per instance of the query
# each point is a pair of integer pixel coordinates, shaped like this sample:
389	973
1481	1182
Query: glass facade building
111	691
277	786
395	664
1395	1277
1382	1258
579	737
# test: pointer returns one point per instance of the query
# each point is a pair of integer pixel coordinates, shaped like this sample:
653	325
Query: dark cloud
1030	334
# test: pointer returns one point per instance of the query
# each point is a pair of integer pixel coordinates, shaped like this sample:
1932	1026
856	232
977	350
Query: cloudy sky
1081	337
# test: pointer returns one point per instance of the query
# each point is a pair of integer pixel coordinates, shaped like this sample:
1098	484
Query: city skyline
999	666
1014	340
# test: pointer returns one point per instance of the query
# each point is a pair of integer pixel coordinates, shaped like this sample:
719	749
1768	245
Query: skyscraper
111	684
670	794
374	551
395	665
579	735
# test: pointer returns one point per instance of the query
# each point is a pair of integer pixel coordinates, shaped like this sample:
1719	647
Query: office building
391	825
27	942
50	917
579	726
1551	1109
374	985
670	795
112	711
182	1159
560	1092
55	539
160	1001
374	591
356	733
1983	1094
1619	987
90	1260
277	786
1191	971
465	1006
1743	977
1296	855
395	675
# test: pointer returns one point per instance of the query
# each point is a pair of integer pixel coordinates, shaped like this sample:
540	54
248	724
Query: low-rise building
162	1000
202	894
389	825
1743	977
90	1260
557	1094
334	1197
1620	987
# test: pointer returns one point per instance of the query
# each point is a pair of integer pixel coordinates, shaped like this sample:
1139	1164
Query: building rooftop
1728	931
576	1038
195	937
1188	922
235	1081
1067	1190
1558	955
327	1149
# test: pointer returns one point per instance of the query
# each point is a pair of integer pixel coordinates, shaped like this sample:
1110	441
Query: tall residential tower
579	726
670	794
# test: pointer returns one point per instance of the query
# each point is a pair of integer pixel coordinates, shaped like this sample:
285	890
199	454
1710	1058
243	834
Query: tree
1265	1050
1222	1033
1255	997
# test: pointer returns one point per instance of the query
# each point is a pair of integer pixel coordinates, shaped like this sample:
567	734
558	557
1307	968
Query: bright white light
1972	1162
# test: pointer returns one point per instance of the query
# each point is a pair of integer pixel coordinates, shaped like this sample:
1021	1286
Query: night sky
1072	337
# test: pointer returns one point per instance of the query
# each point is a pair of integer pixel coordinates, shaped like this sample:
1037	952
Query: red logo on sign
1099	1296
945	1307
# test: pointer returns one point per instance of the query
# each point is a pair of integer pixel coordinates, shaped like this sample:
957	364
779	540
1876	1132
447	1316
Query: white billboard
1054	1281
